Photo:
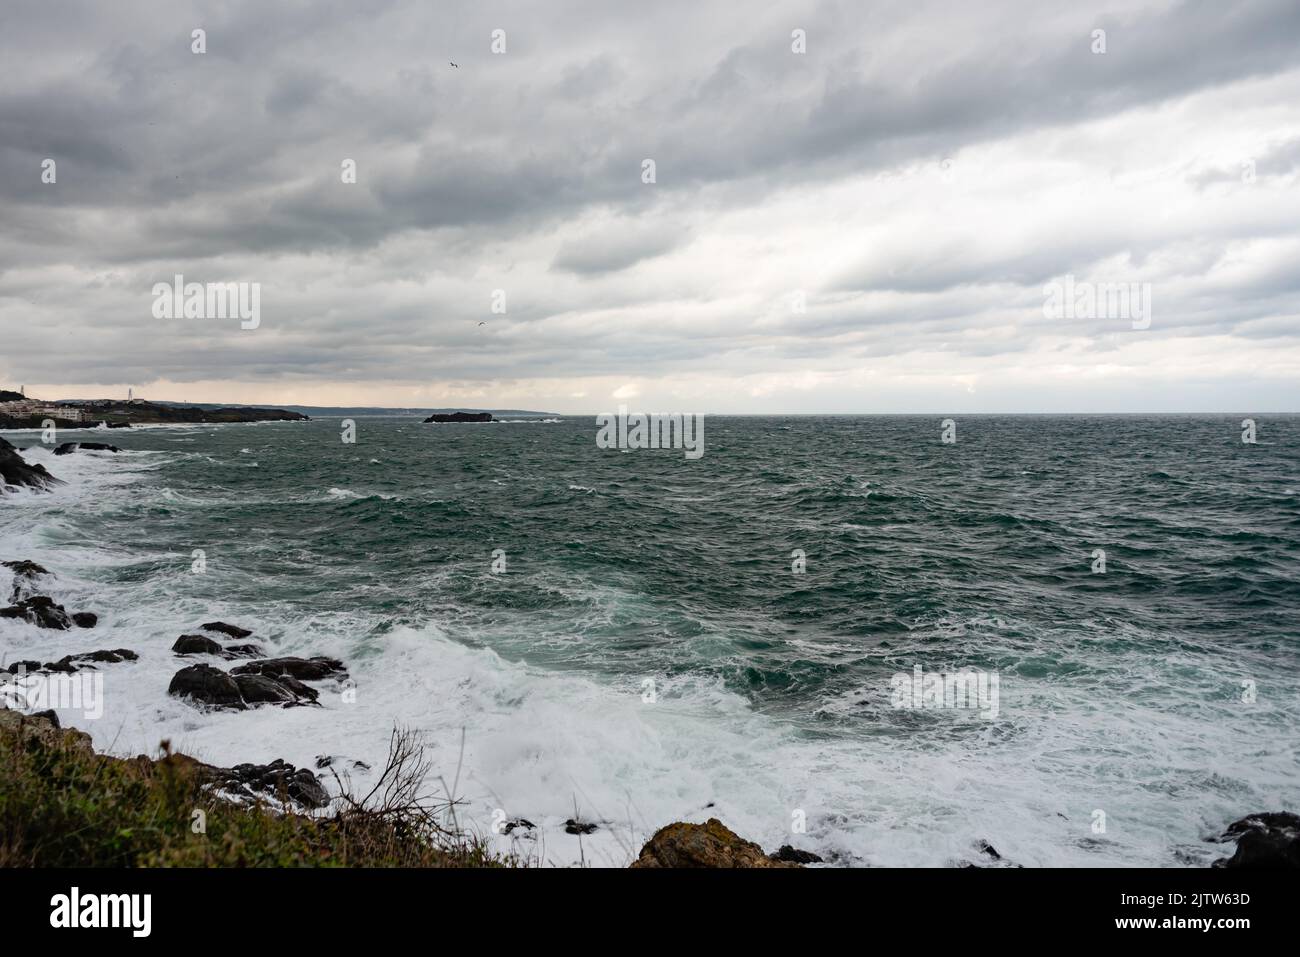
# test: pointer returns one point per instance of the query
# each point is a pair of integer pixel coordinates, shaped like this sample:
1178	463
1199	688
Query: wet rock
234	631
277	779
26	666
711	844
792	855
572	826
1264	841
196	645
517	823
207	685
987	848
85	619
68	447
15	471
304	669
256	689
41	611
242	651
25	575
238	691
71	663
203	645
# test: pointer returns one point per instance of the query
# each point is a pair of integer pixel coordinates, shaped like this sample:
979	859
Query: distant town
17	411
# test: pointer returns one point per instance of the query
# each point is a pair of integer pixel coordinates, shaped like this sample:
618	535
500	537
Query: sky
853	207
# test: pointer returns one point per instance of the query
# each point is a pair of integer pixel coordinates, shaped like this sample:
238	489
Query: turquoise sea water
649	651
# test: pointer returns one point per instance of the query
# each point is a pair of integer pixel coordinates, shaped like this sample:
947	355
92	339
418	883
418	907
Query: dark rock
69	447
234	631
28	666
119	425
792	855
242	651
70	663
304	669
25	575
517	823
40	611
15	471
711	844
460	417
256	689
278	779
989	849
207	685
196	645
324	761
578	827
1264	841
85	619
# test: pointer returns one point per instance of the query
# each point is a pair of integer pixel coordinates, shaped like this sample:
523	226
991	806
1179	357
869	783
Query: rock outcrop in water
16	472
276	681
68	448
25	574
203	645
460	417
1264	841
711	844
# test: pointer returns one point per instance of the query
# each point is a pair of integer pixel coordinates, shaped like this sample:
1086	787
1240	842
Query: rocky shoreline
117	415
1265	840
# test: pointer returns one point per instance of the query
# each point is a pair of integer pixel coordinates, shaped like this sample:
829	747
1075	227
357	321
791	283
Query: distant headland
17	411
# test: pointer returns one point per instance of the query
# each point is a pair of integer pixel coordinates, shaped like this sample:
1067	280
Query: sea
761	634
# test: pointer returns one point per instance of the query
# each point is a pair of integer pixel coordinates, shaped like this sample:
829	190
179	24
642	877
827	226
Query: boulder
278	779
207	685
196	645
239	690
792	855
41	611
573	826
203	645
304	669
85	619
234	631
711	844
256	689
69	447
15	471
1264	841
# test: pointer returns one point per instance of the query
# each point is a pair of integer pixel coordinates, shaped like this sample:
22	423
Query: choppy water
1120	692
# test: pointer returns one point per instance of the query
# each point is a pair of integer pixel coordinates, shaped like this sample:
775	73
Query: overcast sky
867	226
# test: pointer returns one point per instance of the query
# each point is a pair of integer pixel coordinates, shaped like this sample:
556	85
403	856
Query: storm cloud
837	206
